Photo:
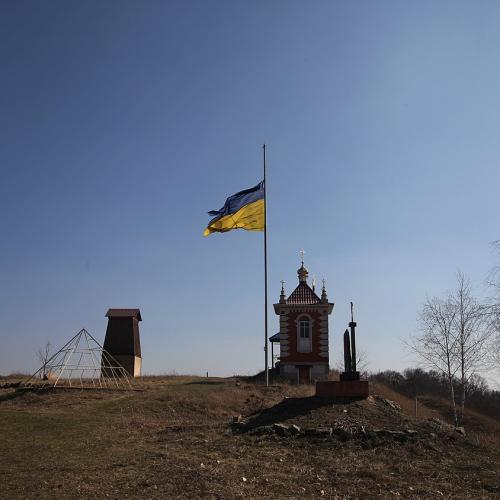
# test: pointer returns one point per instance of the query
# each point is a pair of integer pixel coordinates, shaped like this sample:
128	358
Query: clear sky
123	122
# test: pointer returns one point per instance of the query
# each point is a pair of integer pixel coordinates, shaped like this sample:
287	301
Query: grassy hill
173	439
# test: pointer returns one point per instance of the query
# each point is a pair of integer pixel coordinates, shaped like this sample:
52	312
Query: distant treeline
417	382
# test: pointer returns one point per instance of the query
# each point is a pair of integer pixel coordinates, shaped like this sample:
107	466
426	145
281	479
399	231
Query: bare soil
173	438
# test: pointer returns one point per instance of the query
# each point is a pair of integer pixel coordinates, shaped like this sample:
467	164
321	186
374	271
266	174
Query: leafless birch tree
473	333
436	344
494	282
495	354
455	339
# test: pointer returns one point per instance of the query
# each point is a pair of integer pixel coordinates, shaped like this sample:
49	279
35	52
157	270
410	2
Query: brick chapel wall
288	324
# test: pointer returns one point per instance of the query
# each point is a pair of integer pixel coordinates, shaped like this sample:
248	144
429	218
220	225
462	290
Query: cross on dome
302	253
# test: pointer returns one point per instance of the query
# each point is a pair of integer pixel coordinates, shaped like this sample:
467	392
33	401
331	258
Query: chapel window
304	340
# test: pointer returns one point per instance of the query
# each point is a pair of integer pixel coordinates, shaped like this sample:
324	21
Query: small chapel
303	333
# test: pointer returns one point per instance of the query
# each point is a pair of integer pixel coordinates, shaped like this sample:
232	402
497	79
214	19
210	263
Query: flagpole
265	268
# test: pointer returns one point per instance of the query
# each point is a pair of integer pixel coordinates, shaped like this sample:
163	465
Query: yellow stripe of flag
249	217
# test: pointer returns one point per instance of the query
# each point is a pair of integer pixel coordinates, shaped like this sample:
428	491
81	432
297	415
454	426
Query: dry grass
14	377
407	404
172	440
477	424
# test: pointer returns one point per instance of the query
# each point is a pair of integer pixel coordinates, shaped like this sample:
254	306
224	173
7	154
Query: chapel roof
303	294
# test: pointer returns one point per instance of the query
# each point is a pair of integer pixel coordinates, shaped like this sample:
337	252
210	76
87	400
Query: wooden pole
265	269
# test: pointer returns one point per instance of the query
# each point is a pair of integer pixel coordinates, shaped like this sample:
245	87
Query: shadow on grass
19	392
290	408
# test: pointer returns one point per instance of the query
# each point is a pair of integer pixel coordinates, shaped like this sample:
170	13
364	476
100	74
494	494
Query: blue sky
123	123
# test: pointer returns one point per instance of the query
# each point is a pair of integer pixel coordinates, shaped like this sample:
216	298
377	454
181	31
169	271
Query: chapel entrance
304	374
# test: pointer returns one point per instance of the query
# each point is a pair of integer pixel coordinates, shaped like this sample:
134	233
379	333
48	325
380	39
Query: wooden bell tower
122	339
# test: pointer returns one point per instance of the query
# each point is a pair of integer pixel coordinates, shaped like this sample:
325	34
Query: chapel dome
303	273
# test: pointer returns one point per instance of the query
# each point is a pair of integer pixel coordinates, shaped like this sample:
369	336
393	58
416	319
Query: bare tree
362	363
495	343
43	354
495	355
494	274
473	333
436	344
455	339
494	282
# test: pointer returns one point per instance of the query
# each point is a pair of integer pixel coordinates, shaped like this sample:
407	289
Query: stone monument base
342	389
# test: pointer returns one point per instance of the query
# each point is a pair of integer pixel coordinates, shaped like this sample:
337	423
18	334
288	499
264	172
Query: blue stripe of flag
238	200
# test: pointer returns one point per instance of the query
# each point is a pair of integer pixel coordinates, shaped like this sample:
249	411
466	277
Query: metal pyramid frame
82	363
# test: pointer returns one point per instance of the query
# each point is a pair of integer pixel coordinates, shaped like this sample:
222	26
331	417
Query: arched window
304	343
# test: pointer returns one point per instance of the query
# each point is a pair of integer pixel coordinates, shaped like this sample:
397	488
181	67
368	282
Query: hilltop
175	438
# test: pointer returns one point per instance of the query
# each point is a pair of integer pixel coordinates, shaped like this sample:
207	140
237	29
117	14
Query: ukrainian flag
243	210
